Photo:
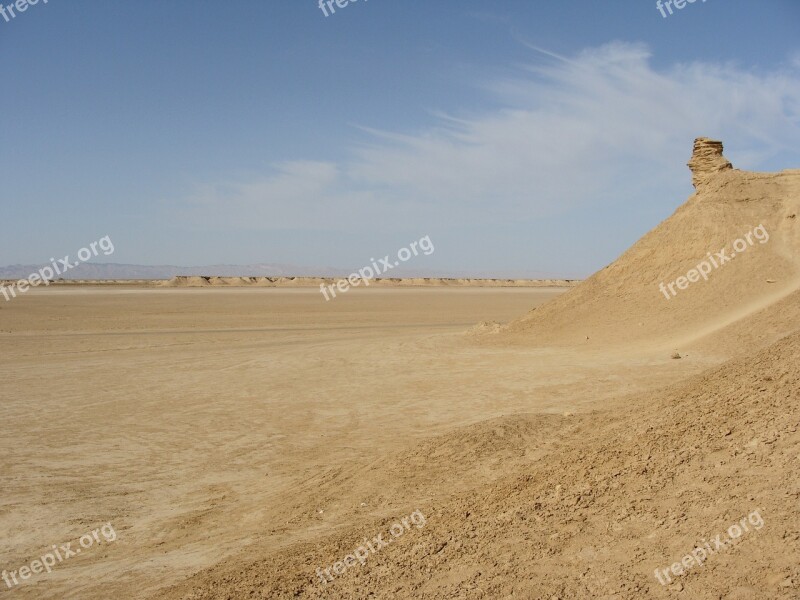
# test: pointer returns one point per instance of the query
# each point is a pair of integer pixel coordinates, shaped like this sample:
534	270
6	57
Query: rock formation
707	160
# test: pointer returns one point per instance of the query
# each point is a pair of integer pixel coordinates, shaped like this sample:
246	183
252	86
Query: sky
523	137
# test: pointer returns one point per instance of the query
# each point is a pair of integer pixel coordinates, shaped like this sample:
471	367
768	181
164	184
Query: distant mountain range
101	271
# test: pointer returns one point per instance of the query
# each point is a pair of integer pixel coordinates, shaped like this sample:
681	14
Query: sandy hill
625	303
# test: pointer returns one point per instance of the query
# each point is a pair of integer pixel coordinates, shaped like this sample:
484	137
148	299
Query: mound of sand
189	281
624	302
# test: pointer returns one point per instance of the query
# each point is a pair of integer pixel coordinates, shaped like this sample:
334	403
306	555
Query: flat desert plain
199	422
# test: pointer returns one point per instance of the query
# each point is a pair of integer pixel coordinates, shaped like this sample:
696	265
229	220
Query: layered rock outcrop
707	160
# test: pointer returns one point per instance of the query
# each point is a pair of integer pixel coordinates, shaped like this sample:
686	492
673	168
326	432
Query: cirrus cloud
568	133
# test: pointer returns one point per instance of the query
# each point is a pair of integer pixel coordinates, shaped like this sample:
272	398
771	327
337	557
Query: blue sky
524	137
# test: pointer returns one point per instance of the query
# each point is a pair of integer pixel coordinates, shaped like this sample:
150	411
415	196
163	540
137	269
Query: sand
558	443
198	421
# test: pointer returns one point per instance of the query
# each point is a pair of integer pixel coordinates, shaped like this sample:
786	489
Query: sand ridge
210	281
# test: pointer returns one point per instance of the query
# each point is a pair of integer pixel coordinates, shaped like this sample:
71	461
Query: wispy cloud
569	133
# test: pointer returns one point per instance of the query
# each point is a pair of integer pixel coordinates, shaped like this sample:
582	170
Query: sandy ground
194	419
226	443
229	442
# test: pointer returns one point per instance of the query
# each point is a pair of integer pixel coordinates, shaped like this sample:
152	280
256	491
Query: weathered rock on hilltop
707	160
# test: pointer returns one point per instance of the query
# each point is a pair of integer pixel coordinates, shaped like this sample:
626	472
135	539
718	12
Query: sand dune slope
624	302
619	494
